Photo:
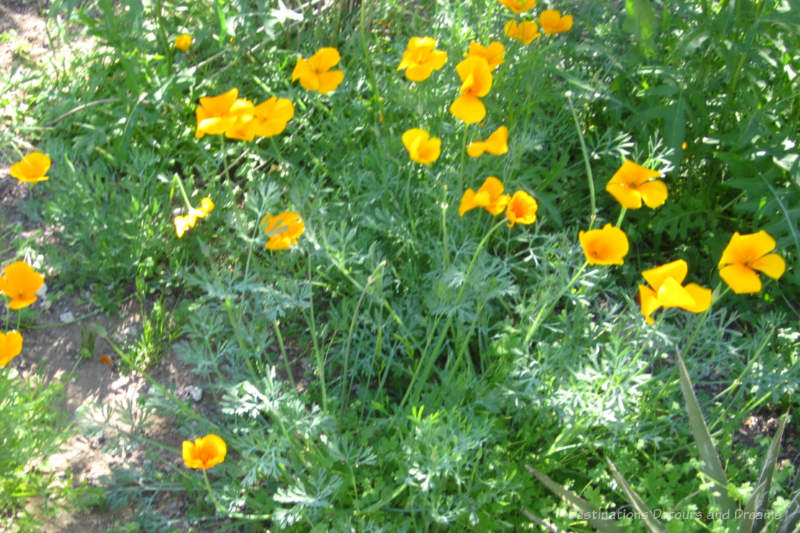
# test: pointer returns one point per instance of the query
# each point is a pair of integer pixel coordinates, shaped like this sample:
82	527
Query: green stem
162	34
177	179
621	216
589	176
545	310
461	164
313	329
224	157
279	337
370	71
428	358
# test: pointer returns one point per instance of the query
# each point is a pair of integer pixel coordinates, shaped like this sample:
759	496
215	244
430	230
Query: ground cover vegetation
495	265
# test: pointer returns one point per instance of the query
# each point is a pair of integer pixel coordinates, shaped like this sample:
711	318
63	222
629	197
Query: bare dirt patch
56	345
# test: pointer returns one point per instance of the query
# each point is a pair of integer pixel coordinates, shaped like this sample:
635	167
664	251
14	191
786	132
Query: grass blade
577	502
644	512
705	447
791	518
758	499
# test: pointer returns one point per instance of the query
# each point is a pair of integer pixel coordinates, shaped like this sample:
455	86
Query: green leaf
791	518
758	500
641	508
705	447
586	509
642	22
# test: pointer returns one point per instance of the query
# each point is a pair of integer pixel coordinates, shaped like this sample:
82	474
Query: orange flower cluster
20	283
520	208
743	257
240	119
526	31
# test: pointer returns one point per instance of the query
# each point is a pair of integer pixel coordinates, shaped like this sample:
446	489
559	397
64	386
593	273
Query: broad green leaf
705	447
577	502
644	512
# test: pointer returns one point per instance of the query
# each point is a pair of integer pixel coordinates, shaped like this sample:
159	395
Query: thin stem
313	329
279	337
224	157
621	216
589	176
177	179
545	310
429	357
370	70
162	34
461	164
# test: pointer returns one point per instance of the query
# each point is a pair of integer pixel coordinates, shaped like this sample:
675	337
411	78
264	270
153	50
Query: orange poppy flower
32	168
746	254
476	81
521	209
496	144
490	197
665	290
605	246
552	21
20	282
10	346
632	183
315	73
205	452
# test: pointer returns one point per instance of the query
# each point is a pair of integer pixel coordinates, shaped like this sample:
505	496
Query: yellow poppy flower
518	6
552	21
214	113
205	452
272	116
10	346
476	81
633	183
183	42
283	230
665	290
184	222
490	197
496	144
521	209
32	168
493	54
20	282
744	255
422	148
524	32
420	58
206	206
605	246
315	73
